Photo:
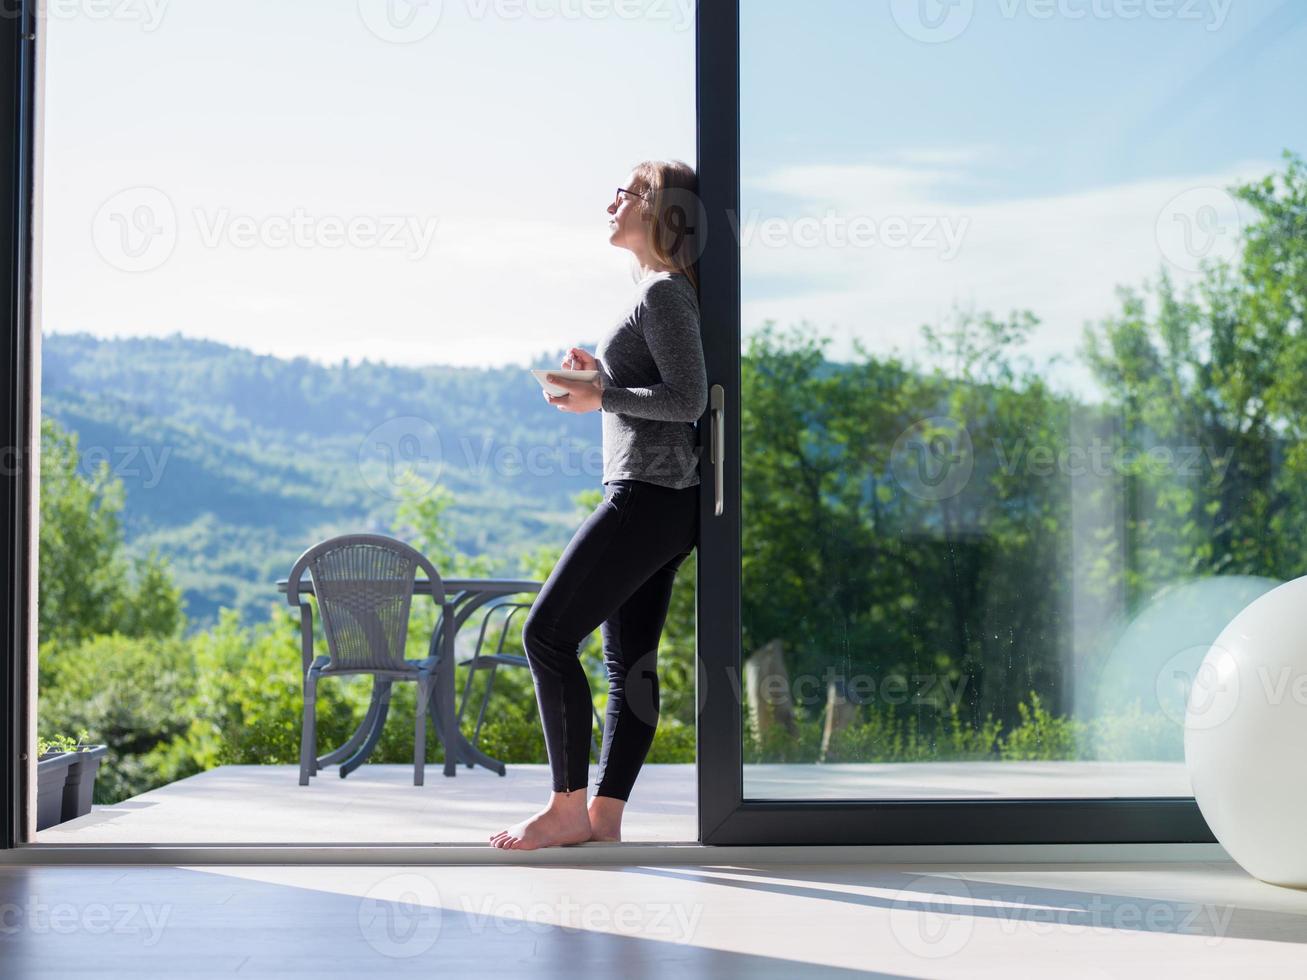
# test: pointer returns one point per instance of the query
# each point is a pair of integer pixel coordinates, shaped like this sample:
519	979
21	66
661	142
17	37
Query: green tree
1012	581
130	693
1216	369
86	586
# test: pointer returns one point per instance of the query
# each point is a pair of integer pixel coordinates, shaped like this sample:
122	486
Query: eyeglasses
617	200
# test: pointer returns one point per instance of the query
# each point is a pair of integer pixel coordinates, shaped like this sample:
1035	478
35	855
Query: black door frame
17	66
725	816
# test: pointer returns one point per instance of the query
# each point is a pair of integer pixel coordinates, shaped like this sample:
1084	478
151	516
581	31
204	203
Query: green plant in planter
63	743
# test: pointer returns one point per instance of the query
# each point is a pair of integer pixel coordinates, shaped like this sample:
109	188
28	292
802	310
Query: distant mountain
234	462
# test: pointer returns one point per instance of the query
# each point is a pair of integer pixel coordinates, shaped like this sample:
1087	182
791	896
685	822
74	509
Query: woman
617	571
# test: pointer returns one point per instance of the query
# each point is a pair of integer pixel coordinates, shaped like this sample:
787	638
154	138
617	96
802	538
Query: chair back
364	588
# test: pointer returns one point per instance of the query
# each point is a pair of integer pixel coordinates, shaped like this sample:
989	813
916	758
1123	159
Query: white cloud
1060	256
488	292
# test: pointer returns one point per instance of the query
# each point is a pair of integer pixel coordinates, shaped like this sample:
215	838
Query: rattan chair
364	589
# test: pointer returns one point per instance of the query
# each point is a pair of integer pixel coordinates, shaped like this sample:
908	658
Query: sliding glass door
296	259
1007	430
1004	414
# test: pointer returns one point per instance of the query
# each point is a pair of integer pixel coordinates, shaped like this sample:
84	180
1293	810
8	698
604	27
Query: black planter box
51	778
65	783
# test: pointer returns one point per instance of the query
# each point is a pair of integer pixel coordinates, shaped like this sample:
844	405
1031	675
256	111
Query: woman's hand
580	360
582	396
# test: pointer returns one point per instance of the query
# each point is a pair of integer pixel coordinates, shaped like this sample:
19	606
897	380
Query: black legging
617	572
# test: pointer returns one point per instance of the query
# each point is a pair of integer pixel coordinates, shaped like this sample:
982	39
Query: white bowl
567	374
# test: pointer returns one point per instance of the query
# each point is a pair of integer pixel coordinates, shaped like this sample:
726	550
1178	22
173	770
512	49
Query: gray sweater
655	385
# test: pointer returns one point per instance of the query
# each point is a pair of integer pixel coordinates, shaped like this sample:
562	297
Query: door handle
717	405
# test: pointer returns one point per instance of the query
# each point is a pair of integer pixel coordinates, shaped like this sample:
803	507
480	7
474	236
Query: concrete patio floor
380	804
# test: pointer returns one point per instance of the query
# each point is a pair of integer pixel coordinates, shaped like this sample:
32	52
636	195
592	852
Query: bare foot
561	822
606	819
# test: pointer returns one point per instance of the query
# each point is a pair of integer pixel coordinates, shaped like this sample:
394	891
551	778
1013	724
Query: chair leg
308	729
467	689
313	745
594	745
485	701
420	733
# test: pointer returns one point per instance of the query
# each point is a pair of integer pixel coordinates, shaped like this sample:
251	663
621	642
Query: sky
237	123
427	183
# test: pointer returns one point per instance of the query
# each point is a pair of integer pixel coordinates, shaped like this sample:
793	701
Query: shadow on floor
136	922
968	897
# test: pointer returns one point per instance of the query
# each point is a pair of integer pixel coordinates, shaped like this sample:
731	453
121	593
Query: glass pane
1018	394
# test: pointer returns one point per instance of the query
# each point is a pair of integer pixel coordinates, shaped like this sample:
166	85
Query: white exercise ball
1246	734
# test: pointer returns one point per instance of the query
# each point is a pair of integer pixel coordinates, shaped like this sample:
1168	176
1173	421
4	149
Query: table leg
354	741
457	747
467	751
474	756
374	735
443	694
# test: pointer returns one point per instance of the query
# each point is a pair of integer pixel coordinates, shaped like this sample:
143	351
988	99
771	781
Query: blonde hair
671	203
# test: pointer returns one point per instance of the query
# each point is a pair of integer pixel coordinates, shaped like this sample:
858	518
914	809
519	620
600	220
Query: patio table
463	596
